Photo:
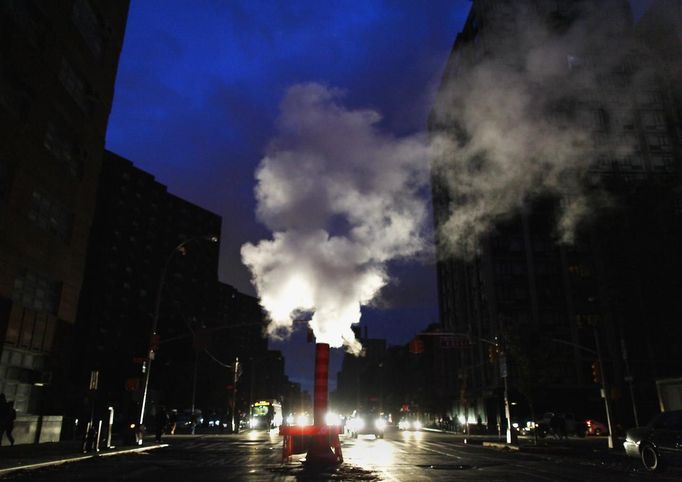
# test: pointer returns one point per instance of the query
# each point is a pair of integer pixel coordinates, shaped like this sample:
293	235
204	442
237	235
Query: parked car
595	427
572	424
659	443
185	420
366	423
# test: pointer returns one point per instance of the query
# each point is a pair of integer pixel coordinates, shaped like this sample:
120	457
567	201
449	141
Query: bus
265	415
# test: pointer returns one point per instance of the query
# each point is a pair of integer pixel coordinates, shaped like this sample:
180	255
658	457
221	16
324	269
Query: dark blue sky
197	95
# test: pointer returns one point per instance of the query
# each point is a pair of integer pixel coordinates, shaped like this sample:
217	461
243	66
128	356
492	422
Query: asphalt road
401	456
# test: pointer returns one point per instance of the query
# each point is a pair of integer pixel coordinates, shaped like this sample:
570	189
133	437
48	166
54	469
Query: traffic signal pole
604	384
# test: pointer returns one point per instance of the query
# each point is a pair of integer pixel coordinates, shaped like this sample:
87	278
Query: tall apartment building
58	63
203	324
137	226
526	288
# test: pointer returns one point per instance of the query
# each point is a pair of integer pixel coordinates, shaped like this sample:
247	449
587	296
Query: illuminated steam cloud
523	102
342	198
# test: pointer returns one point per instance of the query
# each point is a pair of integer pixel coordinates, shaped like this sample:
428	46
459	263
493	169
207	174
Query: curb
77	458
503	446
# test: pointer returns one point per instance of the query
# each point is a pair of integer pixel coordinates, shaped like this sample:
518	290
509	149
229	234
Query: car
410	423
366	423
185	420
595	427
572	424
658	443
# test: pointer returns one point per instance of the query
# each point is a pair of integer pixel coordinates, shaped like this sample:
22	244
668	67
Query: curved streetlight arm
155	316
574	345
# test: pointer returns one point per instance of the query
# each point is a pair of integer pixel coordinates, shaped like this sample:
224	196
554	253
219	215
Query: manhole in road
342	473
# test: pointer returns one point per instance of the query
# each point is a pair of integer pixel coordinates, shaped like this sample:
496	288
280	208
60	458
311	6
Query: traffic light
416	346
596	371
154	343
492	353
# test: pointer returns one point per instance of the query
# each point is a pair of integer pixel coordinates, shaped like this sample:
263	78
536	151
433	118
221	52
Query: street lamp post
155	319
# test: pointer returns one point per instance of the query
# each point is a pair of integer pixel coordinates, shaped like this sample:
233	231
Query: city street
401	456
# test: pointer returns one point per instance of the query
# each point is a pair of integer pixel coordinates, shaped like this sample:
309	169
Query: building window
658	142
37	292
14	99
662	162
632	162
5	178
650	97
75	86
653	120
600	119
63	150
50	216
89	26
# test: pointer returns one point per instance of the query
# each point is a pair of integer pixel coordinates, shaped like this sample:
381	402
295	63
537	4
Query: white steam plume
342	198
533	103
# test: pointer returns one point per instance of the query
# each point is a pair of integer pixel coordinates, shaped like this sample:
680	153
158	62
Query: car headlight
417	425
290	420
380	423
303	420
332	419
358	424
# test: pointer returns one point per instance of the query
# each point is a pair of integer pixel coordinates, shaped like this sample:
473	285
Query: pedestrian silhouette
4	412
172	421
9	415
161	422
555	425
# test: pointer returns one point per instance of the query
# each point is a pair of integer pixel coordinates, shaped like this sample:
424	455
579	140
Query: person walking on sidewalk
161	422
3	415
9	415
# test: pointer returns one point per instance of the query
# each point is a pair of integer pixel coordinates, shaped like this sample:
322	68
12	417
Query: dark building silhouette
544	299
58	64
203	325
136	230
360	381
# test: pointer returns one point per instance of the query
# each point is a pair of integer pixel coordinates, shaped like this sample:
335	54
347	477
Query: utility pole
511	435
234	394
194	386
629	379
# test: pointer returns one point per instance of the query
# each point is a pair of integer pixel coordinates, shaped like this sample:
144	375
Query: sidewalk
588	447
32	456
